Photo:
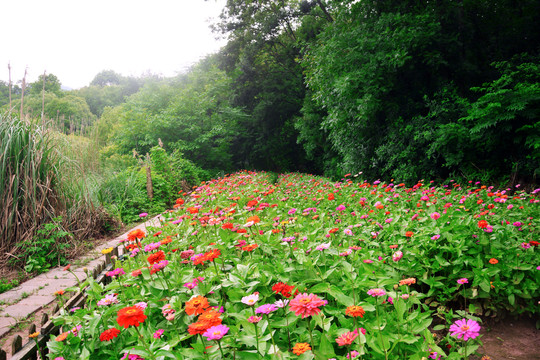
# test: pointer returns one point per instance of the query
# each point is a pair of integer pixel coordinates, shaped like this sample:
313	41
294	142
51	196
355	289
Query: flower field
254	266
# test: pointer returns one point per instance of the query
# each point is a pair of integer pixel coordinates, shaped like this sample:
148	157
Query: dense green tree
394	78
52	85
265	42
191	114
106	78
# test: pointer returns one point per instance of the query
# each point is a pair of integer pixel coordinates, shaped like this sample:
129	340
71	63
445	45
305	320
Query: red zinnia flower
409	234
156	257
482	224
109	334
130	316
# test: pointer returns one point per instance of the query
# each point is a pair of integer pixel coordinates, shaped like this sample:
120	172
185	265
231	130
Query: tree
107	78
52	85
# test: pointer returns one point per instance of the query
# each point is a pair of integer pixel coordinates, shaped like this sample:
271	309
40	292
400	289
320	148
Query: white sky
76	39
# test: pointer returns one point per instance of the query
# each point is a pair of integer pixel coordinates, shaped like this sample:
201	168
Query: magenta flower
463	281
525	245
143	215
216	332
435	215
341	208
266	309
465	329
158	333
376	292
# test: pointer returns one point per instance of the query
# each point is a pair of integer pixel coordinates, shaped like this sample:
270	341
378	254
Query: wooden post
149	187
22	94
9	84
16	345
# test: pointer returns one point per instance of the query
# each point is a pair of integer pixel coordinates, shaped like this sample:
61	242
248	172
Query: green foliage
6	285
46	250
52	85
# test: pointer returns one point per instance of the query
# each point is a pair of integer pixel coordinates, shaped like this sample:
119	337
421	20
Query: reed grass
41	179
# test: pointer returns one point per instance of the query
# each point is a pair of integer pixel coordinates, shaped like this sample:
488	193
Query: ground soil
511	339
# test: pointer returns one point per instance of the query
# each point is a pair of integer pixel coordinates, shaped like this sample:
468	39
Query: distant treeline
394	89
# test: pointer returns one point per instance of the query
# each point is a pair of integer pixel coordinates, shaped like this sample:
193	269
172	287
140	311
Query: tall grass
39	181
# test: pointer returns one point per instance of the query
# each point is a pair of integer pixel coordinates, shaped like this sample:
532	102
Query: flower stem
144	343
311	336
220	349
379	328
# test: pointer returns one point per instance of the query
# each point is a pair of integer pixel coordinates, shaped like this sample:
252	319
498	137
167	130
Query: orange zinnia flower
197	305
193	210
355	311
409	234
250	247
301	348
62	336
493	261
407	282
130	316
255	219
210	317
135	234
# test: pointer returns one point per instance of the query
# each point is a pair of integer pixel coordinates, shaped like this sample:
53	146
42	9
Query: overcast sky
76	39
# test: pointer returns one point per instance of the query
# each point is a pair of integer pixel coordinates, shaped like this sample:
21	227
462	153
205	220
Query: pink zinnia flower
463	281
158	333
397	256
216	332
525	245
346	338
250	299
353	354
435	215
376	292
254	319
306	305
465	329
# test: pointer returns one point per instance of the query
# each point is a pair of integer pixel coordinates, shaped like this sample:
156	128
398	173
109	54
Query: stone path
21	302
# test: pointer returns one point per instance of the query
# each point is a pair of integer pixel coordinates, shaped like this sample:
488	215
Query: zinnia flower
397	256
266	309
355	311
376	292
254	319
493	261
306	305
347	338
109	334
250	299
301	348
216	332
482	224
463	281
197	305
465	329
130	316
